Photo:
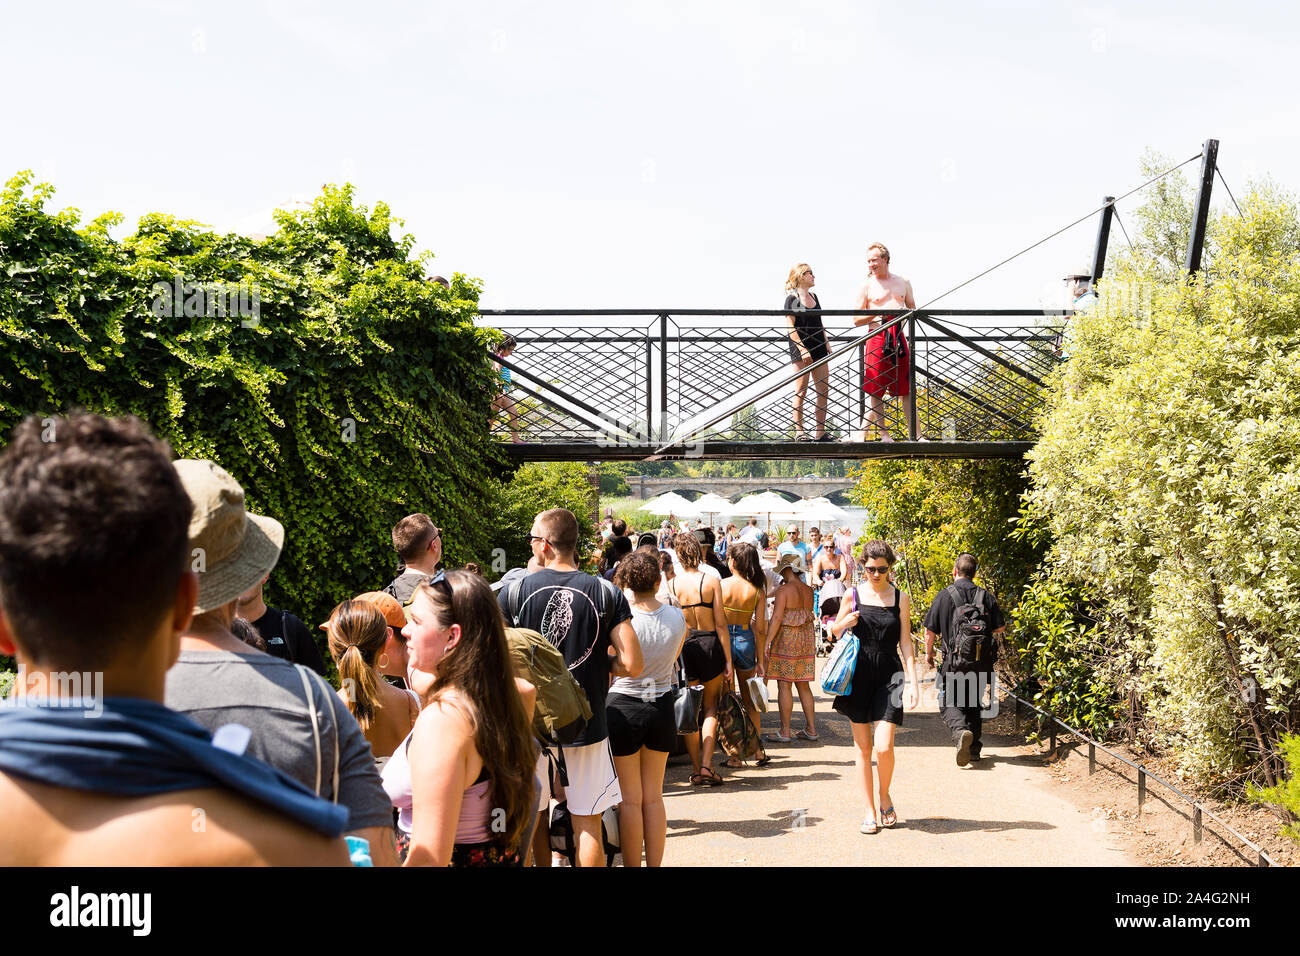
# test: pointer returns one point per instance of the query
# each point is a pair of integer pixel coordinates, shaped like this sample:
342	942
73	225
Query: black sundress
878	675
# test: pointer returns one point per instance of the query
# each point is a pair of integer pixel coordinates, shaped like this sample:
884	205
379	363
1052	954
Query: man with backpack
966	619
588	620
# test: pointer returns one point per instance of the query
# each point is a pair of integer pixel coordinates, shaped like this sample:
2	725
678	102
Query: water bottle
359	851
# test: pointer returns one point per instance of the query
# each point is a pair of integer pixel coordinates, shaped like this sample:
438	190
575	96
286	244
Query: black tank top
879	629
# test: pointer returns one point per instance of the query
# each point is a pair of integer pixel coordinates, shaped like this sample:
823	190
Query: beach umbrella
712	504
768	503
671	503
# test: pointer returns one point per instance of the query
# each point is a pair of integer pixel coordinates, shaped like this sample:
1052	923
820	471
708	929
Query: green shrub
359	393
1168	476
538	487
1286	794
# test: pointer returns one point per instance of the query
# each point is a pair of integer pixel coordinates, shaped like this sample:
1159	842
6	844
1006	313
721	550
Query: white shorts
593	784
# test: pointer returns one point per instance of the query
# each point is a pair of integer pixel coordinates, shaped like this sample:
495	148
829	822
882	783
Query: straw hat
792	560
231	549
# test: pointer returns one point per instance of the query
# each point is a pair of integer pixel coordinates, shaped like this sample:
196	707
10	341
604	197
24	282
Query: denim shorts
744	655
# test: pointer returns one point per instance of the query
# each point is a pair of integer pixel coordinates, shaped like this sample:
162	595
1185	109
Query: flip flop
777	738
804	735
869	826
763	761
889	818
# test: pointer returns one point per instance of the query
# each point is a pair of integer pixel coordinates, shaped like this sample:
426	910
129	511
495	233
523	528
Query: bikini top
743	610
702	602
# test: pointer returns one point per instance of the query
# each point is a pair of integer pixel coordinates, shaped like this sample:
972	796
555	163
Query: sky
657	155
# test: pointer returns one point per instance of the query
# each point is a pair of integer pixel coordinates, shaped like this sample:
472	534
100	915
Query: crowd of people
216	738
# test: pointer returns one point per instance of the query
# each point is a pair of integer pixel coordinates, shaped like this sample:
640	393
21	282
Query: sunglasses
530	538
441	584
876	569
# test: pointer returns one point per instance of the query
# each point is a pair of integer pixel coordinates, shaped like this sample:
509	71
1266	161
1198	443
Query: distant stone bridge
643	486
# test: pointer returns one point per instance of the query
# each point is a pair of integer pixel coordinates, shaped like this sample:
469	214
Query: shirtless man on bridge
887	353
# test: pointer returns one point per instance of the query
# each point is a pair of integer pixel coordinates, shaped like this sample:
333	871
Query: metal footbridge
597	384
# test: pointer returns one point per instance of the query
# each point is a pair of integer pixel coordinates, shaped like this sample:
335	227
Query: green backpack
562	709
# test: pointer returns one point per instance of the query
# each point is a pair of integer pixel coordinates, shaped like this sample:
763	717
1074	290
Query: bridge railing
608	378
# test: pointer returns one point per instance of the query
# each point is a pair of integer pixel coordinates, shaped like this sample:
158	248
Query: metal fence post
1196	824
1201	211
912	430
1142	788
649	392
1053	735
663	375
1017	709
1092	758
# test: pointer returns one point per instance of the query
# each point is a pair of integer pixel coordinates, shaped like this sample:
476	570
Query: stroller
826	607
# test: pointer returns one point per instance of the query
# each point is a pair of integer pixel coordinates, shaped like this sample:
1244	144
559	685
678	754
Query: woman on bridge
881	617
807	345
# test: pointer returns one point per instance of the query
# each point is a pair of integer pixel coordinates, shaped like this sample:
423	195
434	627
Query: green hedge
358	393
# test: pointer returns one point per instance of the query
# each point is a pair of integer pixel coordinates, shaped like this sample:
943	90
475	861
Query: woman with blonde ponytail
386	714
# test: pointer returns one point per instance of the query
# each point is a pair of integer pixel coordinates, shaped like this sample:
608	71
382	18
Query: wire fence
1199	810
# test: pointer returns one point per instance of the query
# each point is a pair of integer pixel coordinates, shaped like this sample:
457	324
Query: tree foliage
931	510
360	392
538	487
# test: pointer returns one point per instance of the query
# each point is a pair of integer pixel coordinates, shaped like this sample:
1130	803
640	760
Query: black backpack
970	634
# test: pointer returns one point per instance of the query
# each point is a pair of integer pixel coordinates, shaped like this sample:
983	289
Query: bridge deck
732	450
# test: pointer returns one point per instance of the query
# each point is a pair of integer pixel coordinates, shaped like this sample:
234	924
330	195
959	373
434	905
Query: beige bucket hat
231	549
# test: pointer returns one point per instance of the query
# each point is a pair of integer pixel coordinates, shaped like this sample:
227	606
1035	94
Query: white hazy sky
656	155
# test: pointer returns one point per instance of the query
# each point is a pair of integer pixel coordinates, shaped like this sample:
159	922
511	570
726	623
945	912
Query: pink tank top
474	825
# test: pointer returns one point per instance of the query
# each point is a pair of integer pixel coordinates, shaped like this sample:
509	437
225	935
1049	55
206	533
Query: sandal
763	761
734	763
777	738
869	826
804	735
709	777
889	818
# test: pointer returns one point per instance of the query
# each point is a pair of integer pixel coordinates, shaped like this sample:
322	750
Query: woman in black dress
884	679
807	345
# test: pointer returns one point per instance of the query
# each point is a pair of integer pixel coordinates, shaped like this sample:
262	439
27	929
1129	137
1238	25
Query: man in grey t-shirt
319	743
293	719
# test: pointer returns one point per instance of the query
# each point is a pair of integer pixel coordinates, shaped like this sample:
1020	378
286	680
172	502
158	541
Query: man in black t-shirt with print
564	605
960	695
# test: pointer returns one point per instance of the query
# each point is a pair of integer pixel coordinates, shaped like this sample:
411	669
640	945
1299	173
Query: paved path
805	807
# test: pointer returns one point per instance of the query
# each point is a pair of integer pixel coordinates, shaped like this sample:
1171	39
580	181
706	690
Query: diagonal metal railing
608	384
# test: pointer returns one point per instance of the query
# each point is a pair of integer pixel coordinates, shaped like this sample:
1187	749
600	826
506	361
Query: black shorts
703	657
635	723
814	340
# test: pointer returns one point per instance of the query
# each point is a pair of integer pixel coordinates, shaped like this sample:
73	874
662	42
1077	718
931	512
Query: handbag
756	692
687	703
837	675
